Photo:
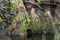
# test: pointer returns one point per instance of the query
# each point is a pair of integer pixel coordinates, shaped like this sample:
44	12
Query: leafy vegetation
14	15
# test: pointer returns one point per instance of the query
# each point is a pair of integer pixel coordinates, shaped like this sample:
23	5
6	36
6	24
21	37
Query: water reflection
17	37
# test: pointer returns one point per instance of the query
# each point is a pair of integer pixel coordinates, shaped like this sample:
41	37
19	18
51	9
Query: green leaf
1	19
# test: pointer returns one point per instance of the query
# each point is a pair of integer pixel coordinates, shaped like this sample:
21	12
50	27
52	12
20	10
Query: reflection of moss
50	31
50	35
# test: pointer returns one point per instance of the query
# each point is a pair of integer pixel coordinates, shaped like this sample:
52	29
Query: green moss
13	4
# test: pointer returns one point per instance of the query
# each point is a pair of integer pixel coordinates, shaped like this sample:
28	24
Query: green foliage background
9	15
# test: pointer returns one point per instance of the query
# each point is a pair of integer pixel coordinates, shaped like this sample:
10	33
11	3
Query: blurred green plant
13	4
1	19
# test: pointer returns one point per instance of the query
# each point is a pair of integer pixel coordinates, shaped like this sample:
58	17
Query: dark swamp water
29	36
4	37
